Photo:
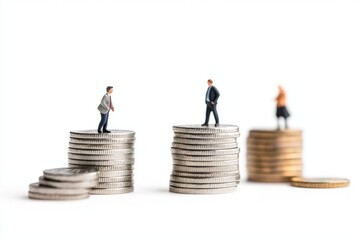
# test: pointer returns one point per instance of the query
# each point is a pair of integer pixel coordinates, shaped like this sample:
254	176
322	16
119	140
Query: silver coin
93	134
56	196
206	175
204	180
115	173
206	164
71	174
204	147
207	136
205	185
205	169
105	168
105	191
115	184
205	152
101	157
58	184
205	158
108	152
37	188
101	146
211	129
116	141
202	191
115	179
204	141
102	162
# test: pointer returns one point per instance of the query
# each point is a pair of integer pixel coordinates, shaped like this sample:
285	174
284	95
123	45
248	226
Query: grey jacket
104	105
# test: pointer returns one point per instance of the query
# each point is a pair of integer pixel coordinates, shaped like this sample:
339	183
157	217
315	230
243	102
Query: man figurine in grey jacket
211	97
104	108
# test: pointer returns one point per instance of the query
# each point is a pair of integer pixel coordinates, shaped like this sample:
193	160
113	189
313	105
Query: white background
57	57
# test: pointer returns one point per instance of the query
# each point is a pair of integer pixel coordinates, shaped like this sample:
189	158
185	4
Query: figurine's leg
278	123
102	122
286	123
208	110
106	121
215	114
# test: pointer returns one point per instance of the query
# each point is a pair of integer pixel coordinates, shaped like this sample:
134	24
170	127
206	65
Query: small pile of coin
64	184
274	155
112	154
205	159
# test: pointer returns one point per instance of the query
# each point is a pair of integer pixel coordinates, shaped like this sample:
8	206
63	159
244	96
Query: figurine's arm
217	94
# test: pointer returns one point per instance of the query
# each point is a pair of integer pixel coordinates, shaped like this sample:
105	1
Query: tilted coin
115	141
205	158
205	169
71	174
102	162
58	184
205	152
205	147
93	134
57	196
319	182
115	184
101	157
201	191
115	179
108	152
205	185
37	188
101	146
204	141
198	129
206	175
105	168
204	180
104	191
206	164
207	136
115	173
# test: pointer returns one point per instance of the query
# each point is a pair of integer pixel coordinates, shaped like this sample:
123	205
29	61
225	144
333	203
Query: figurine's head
281	89
210	82
109	89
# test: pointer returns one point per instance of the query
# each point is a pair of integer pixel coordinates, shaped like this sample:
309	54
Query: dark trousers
211	108
104	121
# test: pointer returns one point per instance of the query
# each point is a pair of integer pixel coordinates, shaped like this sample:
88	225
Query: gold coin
275	133
283	163
256	150
267	179
273	157
319	182
277	169
275	143
275	174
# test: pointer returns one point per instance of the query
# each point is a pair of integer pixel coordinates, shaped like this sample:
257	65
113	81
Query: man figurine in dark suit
104	108
211	97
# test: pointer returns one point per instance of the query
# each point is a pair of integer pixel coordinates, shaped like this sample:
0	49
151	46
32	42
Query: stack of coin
64	184
112	154
274	155
205	159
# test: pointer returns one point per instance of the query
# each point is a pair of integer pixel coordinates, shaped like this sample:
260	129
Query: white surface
58	57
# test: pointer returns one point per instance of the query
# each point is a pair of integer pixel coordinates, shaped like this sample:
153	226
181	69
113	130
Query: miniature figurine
104	108
281	110
211	97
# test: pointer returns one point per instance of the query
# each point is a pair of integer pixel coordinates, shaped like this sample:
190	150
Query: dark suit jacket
214	95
